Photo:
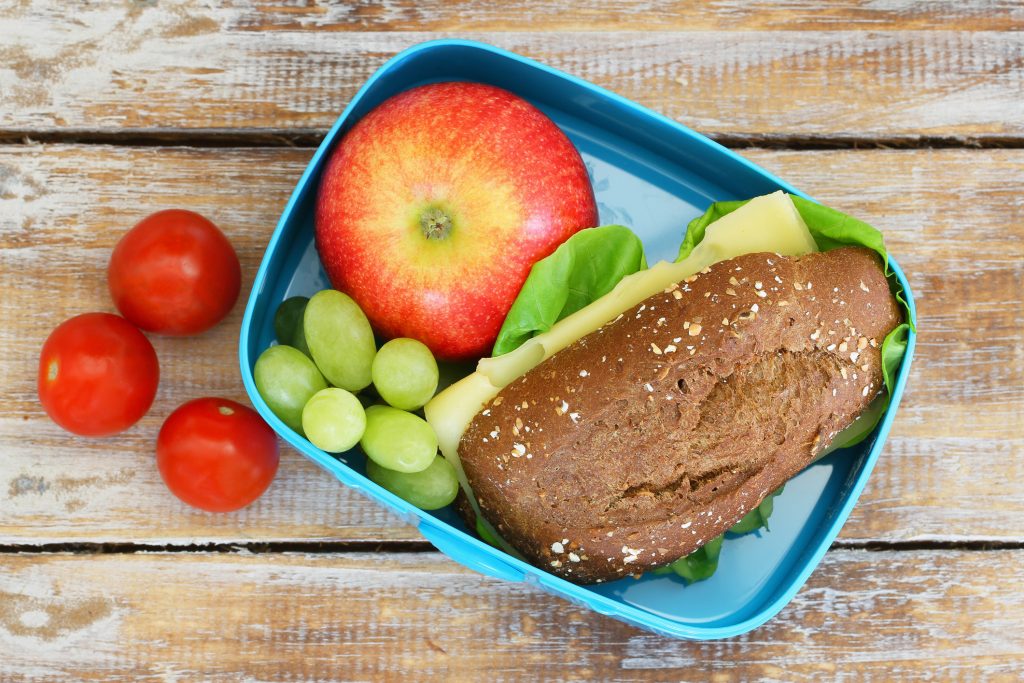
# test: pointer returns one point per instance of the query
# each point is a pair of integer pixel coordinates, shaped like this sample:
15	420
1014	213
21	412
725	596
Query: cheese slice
769	223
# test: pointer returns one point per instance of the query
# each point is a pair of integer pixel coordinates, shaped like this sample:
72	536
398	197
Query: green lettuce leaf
584	268
484	533
861	427
831	228
701	563
698	226
893	348
828	227
758	517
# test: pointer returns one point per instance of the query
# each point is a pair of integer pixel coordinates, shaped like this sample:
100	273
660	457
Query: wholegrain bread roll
648	437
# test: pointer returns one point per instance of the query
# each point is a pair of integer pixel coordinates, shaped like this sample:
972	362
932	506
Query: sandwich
628	443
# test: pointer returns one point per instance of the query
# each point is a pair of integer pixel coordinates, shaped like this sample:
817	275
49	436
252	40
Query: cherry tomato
97	374
174	273
216	454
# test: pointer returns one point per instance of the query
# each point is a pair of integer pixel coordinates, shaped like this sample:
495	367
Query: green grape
286	378
288	323
340	339
430	489
334	420
405	373
398	440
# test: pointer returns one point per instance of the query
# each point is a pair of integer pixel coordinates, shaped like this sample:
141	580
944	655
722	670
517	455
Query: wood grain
248	66
910	616
637	15
950	470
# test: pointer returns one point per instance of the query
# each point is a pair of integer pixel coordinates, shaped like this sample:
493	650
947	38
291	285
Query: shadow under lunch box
654	175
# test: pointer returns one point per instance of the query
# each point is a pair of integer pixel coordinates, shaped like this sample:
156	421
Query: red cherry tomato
174	273
97	374
216	454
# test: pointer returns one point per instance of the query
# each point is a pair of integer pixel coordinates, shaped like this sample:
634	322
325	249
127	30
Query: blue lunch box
651	174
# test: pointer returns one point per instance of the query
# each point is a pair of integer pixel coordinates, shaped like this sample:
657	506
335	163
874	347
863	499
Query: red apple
433	208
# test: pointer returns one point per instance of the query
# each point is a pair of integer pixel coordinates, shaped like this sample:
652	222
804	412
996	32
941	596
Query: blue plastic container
654	175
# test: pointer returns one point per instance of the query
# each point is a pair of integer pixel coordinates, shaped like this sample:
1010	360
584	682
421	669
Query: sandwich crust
648	437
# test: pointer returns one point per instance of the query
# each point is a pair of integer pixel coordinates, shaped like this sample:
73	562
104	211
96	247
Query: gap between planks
422	546
312	137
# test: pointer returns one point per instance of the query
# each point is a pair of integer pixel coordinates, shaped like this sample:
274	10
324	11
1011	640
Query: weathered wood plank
908	616
950	469
642	15
247	66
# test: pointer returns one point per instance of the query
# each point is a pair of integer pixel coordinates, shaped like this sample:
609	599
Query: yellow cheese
769	223
450	413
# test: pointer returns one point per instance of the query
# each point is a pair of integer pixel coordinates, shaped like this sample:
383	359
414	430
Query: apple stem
435	223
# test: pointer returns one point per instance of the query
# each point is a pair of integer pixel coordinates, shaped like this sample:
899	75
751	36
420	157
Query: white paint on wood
651	15
913	615
180	66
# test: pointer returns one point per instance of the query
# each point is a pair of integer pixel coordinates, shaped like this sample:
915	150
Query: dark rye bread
648	437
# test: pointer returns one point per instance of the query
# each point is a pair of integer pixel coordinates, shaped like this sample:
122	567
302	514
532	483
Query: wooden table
908	114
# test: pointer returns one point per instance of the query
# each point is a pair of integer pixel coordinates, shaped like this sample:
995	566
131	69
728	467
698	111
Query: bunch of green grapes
318	378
